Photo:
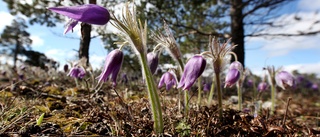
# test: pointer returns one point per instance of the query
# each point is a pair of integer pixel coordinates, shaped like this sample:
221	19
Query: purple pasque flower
168	79
207	86
87	13
250	83
232	77
236	65
314	86
284	79
112	66
153	61
77	72
262	86
193	69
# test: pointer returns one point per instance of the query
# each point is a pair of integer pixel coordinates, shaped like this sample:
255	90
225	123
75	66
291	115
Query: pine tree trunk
15	54
237	29
85	38
85	41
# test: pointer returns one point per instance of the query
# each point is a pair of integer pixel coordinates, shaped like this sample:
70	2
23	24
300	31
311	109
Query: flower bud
153	60
193	69
112	66
168	79
232	77
262	86
284	79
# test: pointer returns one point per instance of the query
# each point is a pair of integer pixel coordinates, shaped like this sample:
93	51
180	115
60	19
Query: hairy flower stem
219	95
239	96
273	98
153	95
255	96
211	92
179	90
199	93
181	66
186	103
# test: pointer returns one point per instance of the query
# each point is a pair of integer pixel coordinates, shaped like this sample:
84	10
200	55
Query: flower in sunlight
77	72
262	86
112	66
232	77
168	79
284	79
153	60
193	69
87	13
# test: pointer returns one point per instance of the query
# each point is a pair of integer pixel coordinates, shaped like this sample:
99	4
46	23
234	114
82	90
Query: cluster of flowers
134	34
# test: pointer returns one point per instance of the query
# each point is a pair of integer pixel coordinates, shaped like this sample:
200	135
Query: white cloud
309	5
304	68
279	46
36	41
97	61
6	19
59	54
26	2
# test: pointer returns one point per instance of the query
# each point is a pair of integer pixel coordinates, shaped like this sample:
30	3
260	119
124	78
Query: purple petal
153	60
236	65
232	77
193	69
112	65
71	24
262	86
88	13
284	79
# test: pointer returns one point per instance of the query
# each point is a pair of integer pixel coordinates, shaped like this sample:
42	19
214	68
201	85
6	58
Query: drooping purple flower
207	87
284	79
77	72
193	69
262	86
314	86
234	73
236	65
153	60
87	13
232	77
250	83
112	66
168	79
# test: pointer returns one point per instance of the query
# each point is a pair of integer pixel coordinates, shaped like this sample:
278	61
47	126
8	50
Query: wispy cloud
97	61
36	41
308	5
6	19
280	46
305	68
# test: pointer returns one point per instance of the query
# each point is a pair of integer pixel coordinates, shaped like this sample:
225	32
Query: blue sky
302	53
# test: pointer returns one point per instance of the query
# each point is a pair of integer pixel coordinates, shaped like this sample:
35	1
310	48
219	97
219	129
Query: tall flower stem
239	96
186	103
153	95
219	95
211	92
179	90
273	98
199	92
